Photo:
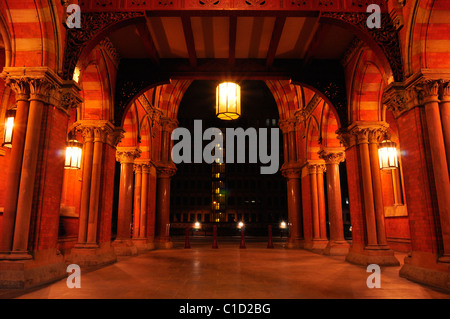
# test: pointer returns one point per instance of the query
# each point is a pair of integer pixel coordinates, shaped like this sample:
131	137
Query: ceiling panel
296	36
168	36
211	36
128	43
253	37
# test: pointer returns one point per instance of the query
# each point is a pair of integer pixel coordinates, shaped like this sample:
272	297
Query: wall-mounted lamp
9	128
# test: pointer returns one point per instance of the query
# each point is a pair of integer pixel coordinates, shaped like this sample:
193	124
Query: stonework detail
127	155
332	156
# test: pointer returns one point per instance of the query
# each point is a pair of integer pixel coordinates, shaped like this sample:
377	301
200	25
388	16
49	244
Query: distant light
283	225
76	74
346	201
197	225
240	225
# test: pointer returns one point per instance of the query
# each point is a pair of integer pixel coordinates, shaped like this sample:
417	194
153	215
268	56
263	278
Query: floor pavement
231	273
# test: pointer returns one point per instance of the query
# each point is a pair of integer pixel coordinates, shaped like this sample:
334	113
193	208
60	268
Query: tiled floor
230	272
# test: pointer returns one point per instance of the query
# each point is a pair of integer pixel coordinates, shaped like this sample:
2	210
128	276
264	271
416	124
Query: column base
124	247
420	269
337	248
163	243
317	245
294	243
379	255
142	244
90	255
18	272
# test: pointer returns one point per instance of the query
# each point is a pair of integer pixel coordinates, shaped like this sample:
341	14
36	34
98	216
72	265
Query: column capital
97	130
40	83
288	125
445	91
166	170
115	137
367	132
87	132
127	155
168	124
70	96
20	87
332	155
137	167
291	170
315	166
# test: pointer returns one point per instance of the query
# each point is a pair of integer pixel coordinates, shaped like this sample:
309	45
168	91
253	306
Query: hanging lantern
8	129
228	101
73	153
387	152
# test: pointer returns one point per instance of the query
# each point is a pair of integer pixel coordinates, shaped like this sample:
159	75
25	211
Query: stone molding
332	155
127	155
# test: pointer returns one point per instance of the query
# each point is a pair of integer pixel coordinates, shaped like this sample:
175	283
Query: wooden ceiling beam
147	40
189	36
275	40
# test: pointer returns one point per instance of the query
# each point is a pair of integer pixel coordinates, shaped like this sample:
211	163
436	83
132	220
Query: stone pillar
373	249
39	90
137	200
88	150
292	174
319	240
321	199
439	160
162	227
123	245
12	189
291	170
374	138
444	106
337	244
89	251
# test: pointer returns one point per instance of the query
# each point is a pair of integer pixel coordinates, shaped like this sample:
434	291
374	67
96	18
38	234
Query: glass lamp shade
9	128
228	101
387	152
73	155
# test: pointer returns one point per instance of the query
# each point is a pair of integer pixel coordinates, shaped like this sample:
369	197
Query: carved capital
137	168
168	124
446	91
87	132
288	125
20	86
115	137
332	156
429	90
291	171
346	138
166	170
315	167
127	155
100	134
368	132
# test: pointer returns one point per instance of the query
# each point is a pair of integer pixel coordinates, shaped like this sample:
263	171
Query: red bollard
215	246
242	239
270	243
187	244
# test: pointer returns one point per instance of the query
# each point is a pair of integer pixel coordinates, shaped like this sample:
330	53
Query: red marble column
12	190
314	201
123	244
88	151
321	199
144	201
39	90
292	173
162	236
97	161
137	200
337	244
439	161
374	137
444	106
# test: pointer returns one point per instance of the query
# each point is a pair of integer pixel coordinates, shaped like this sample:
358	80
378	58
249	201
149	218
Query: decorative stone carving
127	155
332	156
288	125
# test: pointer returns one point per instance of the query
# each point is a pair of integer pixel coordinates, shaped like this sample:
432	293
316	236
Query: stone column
40	89
317	197
137	200
88	151
444	106
292	173
144	201
22	91
439	160
337	244
375	249
99	140
123	245
162	236
374	137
